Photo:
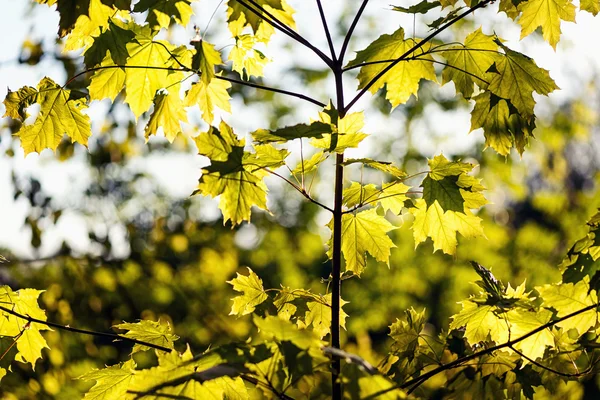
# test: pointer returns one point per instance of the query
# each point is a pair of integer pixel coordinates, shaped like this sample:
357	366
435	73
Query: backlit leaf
111	382
208	97
547	14
59	115
160	12
155	332
403	79
362	233
282	135
168	114
253	294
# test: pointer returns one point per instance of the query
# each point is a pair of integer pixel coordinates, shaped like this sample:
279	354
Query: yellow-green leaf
111	382
168	114
403	79
58	115
205	59
160	12
208	97
155	332
362	233
252	290
567	298
393	196
479	322
319	315
359	194
591	6
468	62
547	14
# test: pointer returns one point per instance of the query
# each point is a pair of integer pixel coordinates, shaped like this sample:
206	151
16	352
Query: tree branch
327	33
413	49
351	31
83	331
277	24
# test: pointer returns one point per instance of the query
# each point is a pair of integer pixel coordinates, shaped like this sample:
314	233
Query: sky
574	62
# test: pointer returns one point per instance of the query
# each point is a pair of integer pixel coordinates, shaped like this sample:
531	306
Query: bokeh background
111	232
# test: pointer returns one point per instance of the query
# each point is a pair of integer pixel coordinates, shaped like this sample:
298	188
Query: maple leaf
154	332
111	382
345	131
359	194
168	113
59	114
208	97
444	210
15	103
107	82
522	322
362	233
253	294
591	6
567	298
233	174
515	77
319	315
470	61
143	83
503	126
29	340
278	8
160	12
403	79
205	60
306	166
112	40
282	135
383	166
247	60
480	322
406	331
547	14
82	21
275	328
393	196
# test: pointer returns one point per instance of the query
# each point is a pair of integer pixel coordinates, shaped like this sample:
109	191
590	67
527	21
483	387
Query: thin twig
300	190
351	31
85	332
327	33
277	24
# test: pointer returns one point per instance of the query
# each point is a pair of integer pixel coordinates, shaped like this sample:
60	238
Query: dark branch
351	31
326	28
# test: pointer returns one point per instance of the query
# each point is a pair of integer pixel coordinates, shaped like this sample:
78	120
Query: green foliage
504	342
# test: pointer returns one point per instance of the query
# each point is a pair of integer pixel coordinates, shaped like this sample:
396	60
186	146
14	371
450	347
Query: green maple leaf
29	340
208	97
522	322
406	332
236	12
319	315
112	40
419	8
154	332
205	60
383	166
359	194
282	135
306	166
393	196
567	298
345	131
107	82
84	20
448	195
547	14
15	103
59	114
362	233
403	79
143	83
481	323
275	328
498	363
503	126
515	77
252	290
233	174
111	382
168	114
246	58
470	61
591	6
160	12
